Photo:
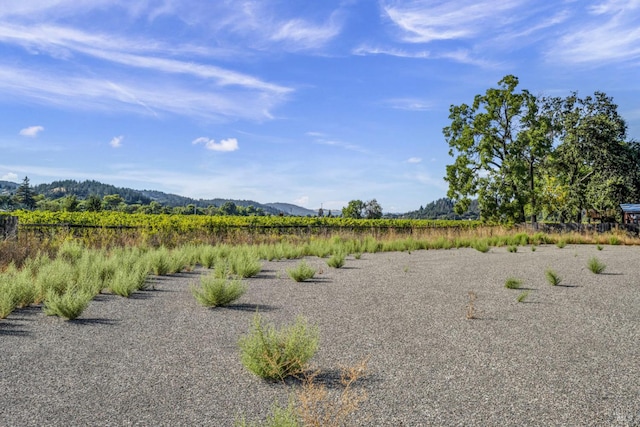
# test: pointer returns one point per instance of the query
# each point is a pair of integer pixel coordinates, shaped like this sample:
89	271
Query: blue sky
299	101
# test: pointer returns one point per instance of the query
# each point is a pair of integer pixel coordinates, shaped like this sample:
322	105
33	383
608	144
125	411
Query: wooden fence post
8	227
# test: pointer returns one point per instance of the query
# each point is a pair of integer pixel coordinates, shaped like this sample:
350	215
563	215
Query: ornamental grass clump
552	277
596	266
301	272
512	283
336	260
16	290
128	280
69	304
275	354
523	296
159	261
215	292
481	246
244	263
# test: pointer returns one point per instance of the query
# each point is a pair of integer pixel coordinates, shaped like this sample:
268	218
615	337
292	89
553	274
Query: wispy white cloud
300	34
31	131
341	144
613	34
136	53
424	21
226	145
116	141
414	160
409	104
135	95
364	50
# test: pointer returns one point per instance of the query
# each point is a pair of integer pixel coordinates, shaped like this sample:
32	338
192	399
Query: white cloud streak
31	131
409	104
299	34
612	35
424	21
79	92
226	145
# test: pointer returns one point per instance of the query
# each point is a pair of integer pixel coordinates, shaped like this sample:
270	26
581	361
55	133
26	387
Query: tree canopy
552	157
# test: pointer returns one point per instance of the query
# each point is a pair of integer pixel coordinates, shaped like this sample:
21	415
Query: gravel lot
567	356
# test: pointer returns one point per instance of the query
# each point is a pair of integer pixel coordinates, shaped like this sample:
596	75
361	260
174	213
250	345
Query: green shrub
242	263
512	283
599	247
7	298
128	280
552	277
561	243
214	292
523	296
159	261
301	272
481	246
614	240
16	290
55	276
221	269
595	265
69	305
512	248
336	260
208	256
276	354
70	251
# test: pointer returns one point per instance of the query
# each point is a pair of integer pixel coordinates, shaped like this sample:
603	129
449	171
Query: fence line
604	227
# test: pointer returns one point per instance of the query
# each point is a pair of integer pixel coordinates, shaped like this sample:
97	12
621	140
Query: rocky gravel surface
569	355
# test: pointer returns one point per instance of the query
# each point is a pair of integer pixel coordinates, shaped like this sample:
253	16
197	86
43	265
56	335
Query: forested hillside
443	209
84	189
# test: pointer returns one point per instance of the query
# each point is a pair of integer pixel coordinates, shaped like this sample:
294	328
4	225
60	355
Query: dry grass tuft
318	407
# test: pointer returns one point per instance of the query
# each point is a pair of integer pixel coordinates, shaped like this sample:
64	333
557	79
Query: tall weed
275	354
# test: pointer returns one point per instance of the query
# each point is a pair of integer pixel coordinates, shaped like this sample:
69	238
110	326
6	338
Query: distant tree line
27	197
543	158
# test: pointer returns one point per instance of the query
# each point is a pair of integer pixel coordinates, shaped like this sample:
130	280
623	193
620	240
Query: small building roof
630	207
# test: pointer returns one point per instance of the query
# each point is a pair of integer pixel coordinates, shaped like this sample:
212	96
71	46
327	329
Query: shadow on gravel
332	379
91	321
10	329
316	280
249	307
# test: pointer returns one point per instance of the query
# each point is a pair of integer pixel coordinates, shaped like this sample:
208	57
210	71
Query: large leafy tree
355	209
358	209
372	209
498	143
593	162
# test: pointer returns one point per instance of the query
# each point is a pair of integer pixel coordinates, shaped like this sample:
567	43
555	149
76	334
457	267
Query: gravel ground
567	356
